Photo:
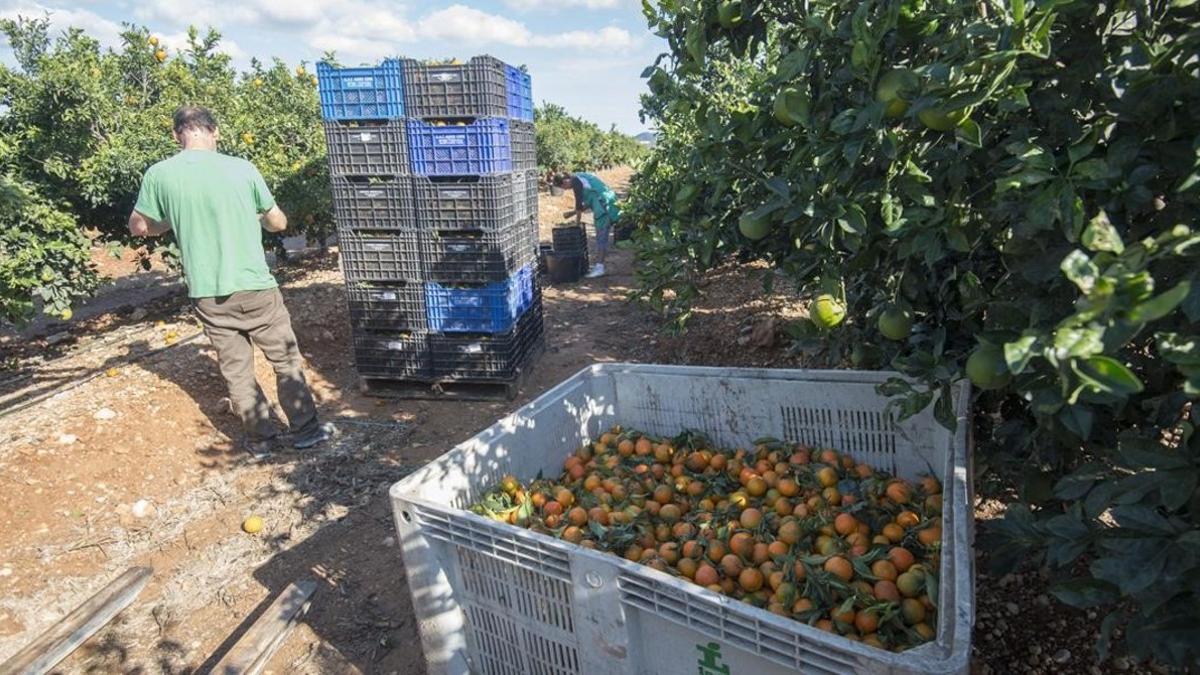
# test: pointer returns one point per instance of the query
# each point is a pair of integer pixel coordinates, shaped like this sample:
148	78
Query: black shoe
261	449
315	437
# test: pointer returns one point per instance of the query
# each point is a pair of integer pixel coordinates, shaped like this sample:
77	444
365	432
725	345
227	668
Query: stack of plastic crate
464	238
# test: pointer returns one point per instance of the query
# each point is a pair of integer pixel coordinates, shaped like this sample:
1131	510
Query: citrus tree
566	143
1000	190
79	125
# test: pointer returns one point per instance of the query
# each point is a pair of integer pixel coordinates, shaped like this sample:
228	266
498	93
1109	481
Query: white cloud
108	33
610	37
525	5
472	26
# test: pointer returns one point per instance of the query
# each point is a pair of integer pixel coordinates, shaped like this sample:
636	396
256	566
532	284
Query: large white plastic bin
491	598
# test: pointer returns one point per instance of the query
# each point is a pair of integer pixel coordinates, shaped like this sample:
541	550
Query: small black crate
475	256
376	203
372	148
393	354
524	146
381	256
459	356
570	239
468	202
387	306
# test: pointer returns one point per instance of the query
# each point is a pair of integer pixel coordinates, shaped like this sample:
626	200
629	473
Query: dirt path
137	465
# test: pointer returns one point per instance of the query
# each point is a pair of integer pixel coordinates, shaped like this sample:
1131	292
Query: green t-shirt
212	202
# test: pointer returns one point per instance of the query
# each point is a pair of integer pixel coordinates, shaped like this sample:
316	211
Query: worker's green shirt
213	202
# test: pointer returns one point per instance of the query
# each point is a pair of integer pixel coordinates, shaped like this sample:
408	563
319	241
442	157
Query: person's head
564	179
195	127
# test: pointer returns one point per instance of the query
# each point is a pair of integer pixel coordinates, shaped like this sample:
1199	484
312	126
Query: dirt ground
117	448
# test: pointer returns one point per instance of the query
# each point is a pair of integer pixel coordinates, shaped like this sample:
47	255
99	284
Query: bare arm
274	220
143	226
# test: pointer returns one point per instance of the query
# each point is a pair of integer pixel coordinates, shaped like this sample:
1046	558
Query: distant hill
647	138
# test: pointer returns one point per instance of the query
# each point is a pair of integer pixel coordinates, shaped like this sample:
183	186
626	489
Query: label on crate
361	82
371	194
396	346
474	348
366	137
454	194
377	246
450	140
446	76
460	248
385	295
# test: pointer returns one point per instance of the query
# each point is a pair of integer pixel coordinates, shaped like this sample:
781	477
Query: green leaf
1091	169
1021	179
1018	11
1079	482
1019	352
1143	519
1158	307
1108	375
1078	267
1084	592
1100	235
968	132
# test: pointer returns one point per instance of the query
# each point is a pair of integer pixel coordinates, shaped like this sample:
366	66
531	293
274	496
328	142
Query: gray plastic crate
476	256
524	146
492	598
392	354
380	256
474	89
377	203
469	203
386	306
367	148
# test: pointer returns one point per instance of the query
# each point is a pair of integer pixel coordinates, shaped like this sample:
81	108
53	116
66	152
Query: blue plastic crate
483	146
520	94
366	93
493	308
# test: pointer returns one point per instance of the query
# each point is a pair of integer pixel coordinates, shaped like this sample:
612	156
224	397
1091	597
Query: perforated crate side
366	93
524	146
380	256
473	89
392	354
570	240
367	148
375	203
488	308
520	94
483	146
488	357
466	202
395	306
475	256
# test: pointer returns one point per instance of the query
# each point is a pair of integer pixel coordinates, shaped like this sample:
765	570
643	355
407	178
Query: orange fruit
884	569
925	631
898	492
670	513
901	558
908	520
893	532
625	447
913	611
644	446
750	579
706	575
777	548
564	497
867	621
842	616
840	568
751	518
756	487
732	566
845	523
910	584
930	536
827	476
886	590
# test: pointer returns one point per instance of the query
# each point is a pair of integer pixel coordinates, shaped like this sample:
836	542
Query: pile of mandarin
806	533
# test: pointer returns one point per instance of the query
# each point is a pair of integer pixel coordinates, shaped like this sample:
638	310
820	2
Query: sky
586	55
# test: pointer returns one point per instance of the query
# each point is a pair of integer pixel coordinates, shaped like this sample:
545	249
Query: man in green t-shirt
216	205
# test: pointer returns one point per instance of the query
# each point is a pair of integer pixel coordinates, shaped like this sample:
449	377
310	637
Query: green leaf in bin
1107	375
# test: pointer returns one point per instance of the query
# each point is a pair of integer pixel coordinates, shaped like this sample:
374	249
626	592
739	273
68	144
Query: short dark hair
564	179
188	117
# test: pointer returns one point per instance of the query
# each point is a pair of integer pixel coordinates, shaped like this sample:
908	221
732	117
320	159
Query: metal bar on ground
252	652
75	628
